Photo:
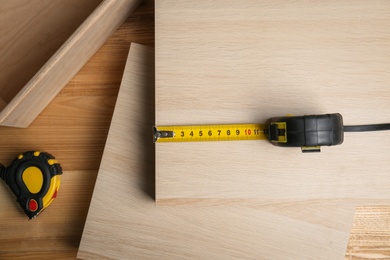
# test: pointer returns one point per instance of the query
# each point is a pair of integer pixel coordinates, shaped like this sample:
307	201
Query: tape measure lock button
33	205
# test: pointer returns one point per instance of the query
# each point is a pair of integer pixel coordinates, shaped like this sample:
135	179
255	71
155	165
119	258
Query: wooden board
31	32
246	61
123	213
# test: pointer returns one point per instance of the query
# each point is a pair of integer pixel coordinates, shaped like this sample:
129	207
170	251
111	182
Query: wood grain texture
246	61
139	230
87	103
31	32
370	234
23	108
54	231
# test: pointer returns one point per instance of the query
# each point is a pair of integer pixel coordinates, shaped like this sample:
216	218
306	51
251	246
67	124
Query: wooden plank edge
258	202
88	255
66	62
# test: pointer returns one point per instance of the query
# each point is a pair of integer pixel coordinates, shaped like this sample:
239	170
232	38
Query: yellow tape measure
34	177
198	133
308	132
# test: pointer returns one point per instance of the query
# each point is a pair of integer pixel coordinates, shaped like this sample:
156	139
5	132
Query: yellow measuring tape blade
199	133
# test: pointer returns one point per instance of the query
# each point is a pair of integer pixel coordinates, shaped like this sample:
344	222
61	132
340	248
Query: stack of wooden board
240	62
124	222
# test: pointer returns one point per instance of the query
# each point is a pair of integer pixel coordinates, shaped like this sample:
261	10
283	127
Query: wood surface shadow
148	152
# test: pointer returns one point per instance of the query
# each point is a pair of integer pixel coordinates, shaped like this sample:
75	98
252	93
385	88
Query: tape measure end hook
157	134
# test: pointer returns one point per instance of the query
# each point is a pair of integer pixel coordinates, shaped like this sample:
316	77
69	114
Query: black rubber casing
309	131
12	176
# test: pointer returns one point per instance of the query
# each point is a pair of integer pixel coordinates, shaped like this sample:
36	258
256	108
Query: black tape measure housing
310	132
45	169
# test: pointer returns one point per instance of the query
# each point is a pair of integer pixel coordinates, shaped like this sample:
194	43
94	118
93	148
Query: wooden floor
74	128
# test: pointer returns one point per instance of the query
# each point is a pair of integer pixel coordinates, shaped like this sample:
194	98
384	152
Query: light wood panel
246	61
26	102
138	229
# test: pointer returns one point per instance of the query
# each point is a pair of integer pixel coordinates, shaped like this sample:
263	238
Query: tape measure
199	133
308	132
34	177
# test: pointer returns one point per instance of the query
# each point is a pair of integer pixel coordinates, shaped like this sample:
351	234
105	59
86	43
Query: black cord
366	128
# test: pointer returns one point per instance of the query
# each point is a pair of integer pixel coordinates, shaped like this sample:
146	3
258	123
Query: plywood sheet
246	61
123	221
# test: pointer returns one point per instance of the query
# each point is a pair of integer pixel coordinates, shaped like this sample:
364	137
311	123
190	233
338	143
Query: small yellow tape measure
34	177
198	133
